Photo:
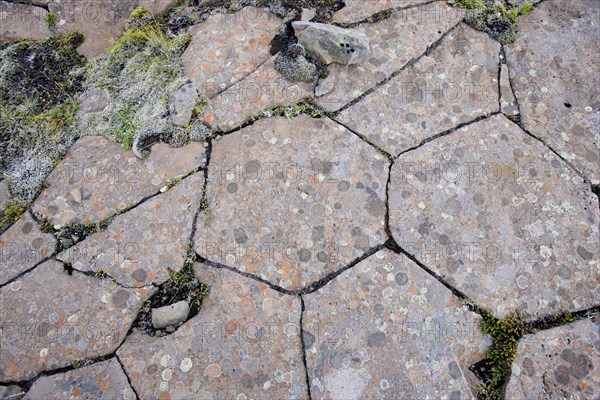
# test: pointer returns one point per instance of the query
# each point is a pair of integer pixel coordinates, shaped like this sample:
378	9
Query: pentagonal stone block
386	329
244	343
556	81
500	217
558	363
455	83
292	200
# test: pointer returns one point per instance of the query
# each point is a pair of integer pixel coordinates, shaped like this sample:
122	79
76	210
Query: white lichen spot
73	319
516	369
164	360
384	384
421	205
164	386
545	252
409	364
43	352
267	385
167	374
186	364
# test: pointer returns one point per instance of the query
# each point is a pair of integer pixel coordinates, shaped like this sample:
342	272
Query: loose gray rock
94	101
181	104
171	315
325	86
329	43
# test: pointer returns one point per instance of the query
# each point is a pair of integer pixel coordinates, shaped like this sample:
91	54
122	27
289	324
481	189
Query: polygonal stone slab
501	218
292	200
104	380
390	51
22	21
387	329
139	247
560	363
244	343
456	83
51	319
227	47
98	179
556	81
22	246
262	89
358	10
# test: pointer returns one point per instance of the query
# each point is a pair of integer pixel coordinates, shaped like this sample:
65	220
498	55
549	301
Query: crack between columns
381	15
303	344
239	81
137	396
501	61
102	275
364	139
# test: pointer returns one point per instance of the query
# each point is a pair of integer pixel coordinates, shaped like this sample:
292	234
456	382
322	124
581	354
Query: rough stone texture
22	246
519	3
101	21
501	218
103	381
12	392
139	246
332	44
181	104
508	103
51	319
390	51
387	329
292	200
98	179
171	315
560	363
4	194
456	83
554	70
245	343
227	47
359	10
263	89
95	100
22	21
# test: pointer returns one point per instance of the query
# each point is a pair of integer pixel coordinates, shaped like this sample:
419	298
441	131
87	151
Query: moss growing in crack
13	212
137	74
304	106
525	8
46	227
173	183
491	17
51	19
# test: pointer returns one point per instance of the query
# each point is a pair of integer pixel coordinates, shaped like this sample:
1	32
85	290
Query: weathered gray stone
226	48
51	319
501	218
171	315
259	91
22	21
519	3
332	44
307	14
508	103
100	21
139	247
22	246
103	381
454	84
555	73
107	179
244	343
387	329
560	363
359	10
4	195
292	200
390	51
181	104
95	100
12	392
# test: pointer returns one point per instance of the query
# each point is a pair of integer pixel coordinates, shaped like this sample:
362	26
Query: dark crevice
556	320
381	15
596	191
409	64
303	343
68	267
324	281
448	132
137	396
388	230
221	90
512	87
364	139
501	64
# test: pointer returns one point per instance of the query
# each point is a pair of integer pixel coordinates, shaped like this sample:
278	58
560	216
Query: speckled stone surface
456	83
22	21
387	329
103	381
359	10
292	200
244	344
501	218
101	21
554	70
139	246
227	47
22	246
51	319
560	363
390	51
262	89
98	179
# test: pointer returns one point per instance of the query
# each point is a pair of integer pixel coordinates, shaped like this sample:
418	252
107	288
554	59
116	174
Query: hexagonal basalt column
500	217
292	200
388	330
